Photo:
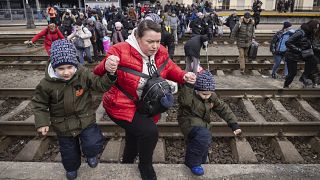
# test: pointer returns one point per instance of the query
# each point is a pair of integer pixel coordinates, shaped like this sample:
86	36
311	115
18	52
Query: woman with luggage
243	33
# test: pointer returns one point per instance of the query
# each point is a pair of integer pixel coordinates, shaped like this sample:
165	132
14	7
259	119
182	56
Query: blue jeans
81	55
199	140
90	141
277	60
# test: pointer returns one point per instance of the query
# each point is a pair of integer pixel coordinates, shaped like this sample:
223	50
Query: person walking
299	47
140	58
243	33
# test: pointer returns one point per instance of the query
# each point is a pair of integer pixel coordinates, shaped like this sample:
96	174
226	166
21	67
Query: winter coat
197	26
100	30
67	21
296	43
316	47
166	38
194	111
67	105
119	36
243	32
231	21
173	22
117	104
49	37
193	45
83	33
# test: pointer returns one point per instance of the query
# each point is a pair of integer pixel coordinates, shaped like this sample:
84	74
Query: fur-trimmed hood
250	20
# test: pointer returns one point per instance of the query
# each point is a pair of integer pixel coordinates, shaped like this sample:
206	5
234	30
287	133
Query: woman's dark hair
310	26
147	25
78	22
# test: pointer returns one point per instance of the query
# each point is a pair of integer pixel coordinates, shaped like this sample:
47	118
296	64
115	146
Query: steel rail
176	58
171	129
212	66
18	38
223	92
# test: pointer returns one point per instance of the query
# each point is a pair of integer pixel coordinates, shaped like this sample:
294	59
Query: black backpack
155	94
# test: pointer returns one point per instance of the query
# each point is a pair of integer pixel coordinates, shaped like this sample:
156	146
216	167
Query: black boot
305	81
147	172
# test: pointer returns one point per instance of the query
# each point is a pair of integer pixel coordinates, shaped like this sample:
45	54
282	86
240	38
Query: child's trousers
90	141
199	140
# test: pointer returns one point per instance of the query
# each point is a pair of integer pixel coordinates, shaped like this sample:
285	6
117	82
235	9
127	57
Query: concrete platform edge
36	170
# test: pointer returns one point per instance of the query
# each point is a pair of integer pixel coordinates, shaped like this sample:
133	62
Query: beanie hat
63	52
286	24
118	24
247	15
154	17
204	82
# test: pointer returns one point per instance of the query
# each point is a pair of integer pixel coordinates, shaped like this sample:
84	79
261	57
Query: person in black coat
298	43
232	20
192	51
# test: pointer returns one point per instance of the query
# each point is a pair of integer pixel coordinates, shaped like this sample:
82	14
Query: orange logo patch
79	92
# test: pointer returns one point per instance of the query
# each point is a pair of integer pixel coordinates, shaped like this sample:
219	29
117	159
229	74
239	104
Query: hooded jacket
67	105
117	104
193	45
194	111
243	32
49	37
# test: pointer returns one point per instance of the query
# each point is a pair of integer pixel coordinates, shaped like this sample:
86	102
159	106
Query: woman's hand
111	64
237	132
190	77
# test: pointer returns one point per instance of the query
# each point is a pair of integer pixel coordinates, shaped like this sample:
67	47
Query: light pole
30	21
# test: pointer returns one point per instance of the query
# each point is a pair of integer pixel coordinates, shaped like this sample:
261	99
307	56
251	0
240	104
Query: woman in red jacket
50	34
141	49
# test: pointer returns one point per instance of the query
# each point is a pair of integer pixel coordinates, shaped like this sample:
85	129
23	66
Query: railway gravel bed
264	152
315	103
9	105
14	148
51	153
220	152
304	148
175	151
23	115
237	109
267	111
292	106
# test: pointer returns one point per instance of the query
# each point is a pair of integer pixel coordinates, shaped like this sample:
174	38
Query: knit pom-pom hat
205	82
63	52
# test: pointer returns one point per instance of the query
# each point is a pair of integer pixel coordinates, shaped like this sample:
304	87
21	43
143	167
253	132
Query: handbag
307	52
79	43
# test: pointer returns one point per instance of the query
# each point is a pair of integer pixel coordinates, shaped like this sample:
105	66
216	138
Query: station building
269	5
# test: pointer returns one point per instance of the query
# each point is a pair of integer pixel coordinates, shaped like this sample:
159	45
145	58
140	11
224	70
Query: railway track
284	139
216	62
20	38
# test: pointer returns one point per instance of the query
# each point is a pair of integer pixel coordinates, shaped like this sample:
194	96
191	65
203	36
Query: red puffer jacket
117	104
49	37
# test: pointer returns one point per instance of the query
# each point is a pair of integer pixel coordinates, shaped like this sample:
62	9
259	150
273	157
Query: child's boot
197	170
71	175
92	162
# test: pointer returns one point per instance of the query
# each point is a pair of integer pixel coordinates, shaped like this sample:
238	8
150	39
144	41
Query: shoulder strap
129	70
126	93
83	30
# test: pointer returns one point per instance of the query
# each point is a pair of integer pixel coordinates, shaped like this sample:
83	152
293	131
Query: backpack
281	45
156	96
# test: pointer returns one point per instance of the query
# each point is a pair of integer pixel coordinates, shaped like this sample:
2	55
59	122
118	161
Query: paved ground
54	171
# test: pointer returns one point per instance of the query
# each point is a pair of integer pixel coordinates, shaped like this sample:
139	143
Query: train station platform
54	171
19	30
266	17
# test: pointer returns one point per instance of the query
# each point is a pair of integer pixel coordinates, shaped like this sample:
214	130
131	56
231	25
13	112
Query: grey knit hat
63	52
205	82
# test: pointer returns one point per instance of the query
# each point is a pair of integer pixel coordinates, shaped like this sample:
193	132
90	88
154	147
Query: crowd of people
134	73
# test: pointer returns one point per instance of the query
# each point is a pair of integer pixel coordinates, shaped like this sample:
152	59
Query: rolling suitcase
253	50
